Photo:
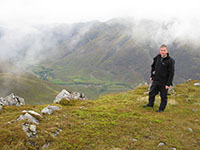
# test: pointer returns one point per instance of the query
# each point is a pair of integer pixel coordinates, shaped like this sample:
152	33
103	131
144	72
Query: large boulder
12	99
64	94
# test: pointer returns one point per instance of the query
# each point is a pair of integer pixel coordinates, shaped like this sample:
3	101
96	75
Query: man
162	73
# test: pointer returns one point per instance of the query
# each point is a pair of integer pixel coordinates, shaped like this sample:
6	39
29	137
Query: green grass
31	88
111	121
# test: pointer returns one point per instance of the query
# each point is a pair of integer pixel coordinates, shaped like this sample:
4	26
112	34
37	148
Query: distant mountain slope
32	89
26	85
101	57
117	52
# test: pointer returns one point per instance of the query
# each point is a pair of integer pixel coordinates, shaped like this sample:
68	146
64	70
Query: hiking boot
147	105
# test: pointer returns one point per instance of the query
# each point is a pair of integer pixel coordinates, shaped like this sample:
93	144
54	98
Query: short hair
164	45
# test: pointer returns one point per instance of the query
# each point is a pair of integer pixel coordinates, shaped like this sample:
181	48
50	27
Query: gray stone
33	128
46	145
173	148
171	91
32	113
30	130
50	109
56	132
135	140
196	84
190	129
161	144
12	99
28	117
64	94
77	95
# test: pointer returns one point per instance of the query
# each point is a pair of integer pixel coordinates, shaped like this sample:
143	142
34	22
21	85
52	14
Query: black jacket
163	70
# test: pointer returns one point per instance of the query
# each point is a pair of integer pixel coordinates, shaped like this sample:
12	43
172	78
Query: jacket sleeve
153	68
171	72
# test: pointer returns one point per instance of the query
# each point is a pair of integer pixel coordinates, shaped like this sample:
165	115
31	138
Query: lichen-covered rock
29	129
12	99
28	117
64	94
50	109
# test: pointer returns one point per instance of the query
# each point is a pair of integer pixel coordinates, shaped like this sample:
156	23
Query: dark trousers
154	89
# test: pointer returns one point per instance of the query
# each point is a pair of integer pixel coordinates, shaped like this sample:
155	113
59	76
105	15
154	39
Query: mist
30	44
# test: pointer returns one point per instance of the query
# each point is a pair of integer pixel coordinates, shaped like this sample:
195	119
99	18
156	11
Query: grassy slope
112	121
32	89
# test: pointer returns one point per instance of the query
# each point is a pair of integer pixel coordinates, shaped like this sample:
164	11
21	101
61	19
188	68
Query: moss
64	102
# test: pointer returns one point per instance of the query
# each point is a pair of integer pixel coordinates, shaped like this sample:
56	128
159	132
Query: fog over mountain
119	49
28	42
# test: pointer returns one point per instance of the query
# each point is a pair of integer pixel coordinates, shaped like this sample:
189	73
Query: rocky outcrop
64	94
12	99
50	109
29	129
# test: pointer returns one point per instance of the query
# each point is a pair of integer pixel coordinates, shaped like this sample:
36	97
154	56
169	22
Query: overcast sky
70	11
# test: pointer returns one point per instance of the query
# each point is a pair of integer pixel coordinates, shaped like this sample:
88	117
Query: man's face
163	51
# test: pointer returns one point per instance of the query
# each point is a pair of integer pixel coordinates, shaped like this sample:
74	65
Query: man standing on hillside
162	73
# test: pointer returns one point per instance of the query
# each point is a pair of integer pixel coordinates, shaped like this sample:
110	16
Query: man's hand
151	80
166	87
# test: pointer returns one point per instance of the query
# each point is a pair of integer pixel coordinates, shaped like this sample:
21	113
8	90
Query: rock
12	99
3	101
33	128
190	129
1	107
171	91
50	109
76	95
56	132
196	84
28	117
64	94
173	148
161	144
30	130
32	113
135	140
46	145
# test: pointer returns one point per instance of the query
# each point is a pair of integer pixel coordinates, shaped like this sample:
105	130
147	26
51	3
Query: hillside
31	88
116	55
112	122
